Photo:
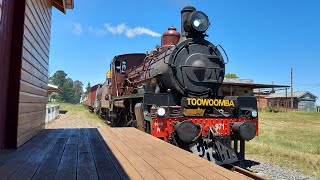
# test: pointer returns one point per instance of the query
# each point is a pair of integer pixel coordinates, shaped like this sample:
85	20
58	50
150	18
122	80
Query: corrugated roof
248	83
288	95
237	80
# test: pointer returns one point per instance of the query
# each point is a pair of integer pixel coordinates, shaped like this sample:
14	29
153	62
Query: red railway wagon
90	98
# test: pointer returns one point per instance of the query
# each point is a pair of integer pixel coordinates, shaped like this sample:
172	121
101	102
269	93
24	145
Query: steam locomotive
173	94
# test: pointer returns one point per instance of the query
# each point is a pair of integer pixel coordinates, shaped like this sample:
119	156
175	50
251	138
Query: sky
263	38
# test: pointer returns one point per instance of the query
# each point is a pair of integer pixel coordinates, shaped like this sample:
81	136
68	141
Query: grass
78	108
289	139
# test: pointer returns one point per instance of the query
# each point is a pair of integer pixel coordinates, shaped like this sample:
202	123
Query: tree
231	76
88	87
68	91
71	90
78	88
59	78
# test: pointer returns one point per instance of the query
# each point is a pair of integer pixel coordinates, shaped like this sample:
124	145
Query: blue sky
263	39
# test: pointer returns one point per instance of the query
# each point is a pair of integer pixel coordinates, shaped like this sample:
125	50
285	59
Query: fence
52	112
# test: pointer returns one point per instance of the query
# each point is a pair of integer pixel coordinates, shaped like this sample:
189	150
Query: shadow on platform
62	154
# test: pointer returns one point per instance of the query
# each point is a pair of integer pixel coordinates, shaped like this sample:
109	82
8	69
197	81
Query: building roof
249	83
298	94
53	88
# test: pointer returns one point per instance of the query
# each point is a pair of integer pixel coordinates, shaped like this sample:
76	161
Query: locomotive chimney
185	12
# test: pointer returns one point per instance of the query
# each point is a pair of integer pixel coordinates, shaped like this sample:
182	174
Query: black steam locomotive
173	94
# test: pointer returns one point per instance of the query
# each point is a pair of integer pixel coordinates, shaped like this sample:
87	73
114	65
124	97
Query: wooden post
291	75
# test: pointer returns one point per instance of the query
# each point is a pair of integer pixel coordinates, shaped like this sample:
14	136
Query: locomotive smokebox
246	130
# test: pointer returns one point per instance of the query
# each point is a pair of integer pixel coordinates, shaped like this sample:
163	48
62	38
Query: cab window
123	67
118	66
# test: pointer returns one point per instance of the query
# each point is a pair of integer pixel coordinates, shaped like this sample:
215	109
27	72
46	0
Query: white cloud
116	29
124	29
97	31
139	31
77	29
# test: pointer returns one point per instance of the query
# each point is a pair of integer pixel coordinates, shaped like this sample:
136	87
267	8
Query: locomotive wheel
113	119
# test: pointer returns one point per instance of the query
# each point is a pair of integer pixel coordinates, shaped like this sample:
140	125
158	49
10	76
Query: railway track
247	173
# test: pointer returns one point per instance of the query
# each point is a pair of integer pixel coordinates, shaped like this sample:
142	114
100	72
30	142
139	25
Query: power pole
291	75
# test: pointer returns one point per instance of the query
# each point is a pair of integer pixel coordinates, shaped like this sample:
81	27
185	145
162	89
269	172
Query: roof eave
63	5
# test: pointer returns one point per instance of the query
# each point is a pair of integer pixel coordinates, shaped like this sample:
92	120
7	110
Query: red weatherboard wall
34	69
25	28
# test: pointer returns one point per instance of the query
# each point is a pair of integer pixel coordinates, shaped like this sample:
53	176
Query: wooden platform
105	153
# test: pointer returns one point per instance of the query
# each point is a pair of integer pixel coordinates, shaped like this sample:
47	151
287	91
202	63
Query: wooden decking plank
49	166
139	148
155	161
30	166
180	155
187	155
74	136
144	169
213	167
86	168
104	165
170	162
20	155
6	154
123	166
67	168
11	153
170	174
206	172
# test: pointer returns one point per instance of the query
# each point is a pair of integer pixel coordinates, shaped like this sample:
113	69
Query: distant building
261	98
302	100
52	89
246	87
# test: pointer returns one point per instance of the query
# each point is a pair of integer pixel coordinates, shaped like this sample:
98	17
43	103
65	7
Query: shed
302	100
25	27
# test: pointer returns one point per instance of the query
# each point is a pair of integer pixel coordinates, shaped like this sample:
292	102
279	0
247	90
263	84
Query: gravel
273	171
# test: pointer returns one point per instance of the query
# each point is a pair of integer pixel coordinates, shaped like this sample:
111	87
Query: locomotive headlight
199	21
254	113
161	111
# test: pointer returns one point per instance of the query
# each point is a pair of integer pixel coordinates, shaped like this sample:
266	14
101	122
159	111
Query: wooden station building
25	28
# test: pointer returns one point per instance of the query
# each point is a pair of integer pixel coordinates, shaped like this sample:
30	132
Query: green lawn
289	139
78	108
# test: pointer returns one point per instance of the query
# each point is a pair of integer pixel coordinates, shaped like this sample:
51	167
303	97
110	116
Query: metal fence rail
52	112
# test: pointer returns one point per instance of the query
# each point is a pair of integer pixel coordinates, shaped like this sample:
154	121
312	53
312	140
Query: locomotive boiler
173	93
